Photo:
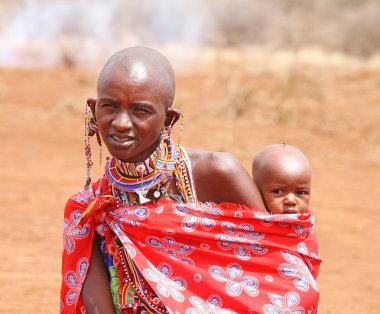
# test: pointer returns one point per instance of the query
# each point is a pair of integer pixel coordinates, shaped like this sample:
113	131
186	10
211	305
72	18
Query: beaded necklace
131	182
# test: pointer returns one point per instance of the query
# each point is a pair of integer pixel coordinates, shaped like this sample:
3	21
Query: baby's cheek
274	207
304	207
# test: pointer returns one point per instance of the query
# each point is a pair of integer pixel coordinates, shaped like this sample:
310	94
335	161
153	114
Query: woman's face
131	112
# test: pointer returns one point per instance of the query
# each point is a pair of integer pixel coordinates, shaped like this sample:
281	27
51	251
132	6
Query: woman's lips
120	140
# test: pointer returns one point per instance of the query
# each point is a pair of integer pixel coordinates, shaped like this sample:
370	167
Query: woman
150	201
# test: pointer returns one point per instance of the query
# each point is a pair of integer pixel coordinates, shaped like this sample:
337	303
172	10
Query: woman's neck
143	167
138	169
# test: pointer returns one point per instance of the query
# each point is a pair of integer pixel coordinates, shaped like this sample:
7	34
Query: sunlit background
83	32
249	73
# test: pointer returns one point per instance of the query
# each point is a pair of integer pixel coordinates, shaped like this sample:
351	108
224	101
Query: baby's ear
172	116
91	102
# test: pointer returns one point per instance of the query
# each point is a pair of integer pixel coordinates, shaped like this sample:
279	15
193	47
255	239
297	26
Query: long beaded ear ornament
87	148
166	132
180	130
91	129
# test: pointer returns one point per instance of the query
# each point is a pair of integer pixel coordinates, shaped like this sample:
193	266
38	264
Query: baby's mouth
290	210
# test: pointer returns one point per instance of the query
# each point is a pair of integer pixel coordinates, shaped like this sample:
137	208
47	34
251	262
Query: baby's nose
290	198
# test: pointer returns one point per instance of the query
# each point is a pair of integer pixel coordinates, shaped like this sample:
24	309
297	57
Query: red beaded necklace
131	182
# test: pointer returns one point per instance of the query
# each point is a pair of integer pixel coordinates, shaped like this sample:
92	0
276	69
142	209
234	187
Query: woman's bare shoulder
220	177
212	163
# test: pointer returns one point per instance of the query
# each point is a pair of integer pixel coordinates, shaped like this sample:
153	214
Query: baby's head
283	175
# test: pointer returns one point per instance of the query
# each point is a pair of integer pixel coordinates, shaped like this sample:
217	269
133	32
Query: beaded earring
166	132
87	148
91	129
180	130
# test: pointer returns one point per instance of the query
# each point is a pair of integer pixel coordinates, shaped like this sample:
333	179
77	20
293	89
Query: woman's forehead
134	71
138	72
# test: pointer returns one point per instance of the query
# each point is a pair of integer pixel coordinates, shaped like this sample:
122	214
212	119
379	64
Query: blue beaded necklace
130	182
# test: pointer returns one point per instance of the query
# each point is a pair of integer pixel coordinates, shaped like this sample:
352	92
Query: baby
283	175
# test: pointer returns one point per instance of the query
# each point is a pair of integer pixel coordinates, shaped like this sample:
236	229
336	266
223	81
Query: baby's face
286	190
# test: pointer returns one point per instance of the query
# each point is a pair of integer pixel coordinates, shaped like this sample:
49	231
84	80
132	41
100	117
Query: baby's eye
277	191
302	193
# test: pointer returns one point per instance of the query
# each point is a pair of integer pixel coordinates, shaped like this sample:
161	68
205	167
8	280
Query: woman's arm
96	293
220	177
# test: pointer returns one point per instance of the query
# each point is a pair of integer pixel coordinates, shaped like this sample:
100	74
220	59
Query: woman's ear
91	102
172	116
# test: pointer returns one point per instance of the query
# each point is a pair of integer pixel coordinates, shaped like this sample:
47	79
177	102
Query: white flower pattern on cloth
241	239
300	231
236	281
265	218
303	250
196	215
296	268
127	243
132	217
167	285
84	196
287	304
170	247
213	305
268	219
72	233
74	280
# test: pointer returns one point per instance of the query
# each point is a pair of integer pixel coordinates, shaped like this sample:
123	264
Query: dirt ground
331	113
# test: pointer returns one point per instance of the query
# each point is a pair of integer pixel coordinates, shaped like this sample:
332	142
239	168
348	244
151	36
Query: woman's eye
108	105
141	109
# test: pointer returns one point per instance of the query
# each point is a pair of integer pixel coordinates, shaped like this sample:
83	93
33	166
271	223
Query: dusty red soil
331	114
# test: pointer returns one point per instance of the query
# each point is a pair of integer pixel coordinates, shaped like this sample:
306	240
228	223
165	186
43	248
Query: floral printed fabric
200	258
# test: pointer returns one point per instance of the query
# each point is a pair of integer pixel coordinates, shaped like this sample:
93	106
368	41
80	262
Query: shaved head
140	65
282	156
282	173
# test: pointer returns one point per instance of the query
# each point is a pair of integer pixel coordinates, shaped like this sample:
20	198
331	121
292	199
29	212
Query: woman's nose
122	121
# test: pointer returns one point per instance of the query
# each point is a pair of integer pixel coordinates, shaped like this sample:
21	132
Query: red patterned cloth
197	258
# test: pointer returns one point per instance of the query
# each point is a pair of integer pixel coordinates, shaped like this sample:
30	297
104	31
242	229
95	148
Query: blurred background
82	33
249	73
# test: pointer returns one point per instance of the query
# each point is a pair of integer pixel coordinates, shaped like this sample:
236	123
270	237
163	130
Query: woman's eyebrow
106	98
